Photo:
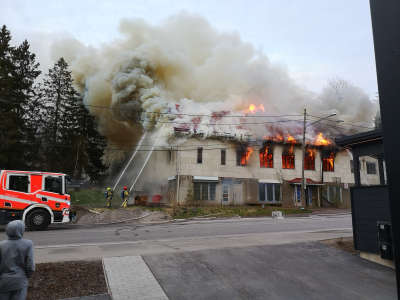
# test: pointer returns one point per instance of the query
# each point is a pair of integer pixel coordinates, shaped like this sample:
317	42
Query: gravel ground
98	216
344	243
67	279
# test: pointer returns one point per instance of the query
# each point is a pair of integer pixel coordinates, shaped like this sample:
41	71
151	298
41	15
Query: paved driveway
292	271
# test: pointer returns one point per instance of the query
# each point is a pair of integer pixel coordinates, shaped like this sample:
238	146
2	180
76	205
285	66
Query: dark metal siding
370	204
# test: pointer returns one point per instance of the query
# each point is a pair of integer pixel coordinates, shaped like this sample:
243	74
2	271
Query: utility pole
303	152
177	175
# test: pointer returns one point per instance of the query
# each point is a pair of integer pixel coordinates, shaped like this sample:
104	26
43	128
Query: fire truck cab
37	198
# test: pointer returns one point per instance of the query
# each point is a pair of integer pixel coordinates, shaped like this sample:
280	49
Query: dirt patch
344	243
105	215
67	279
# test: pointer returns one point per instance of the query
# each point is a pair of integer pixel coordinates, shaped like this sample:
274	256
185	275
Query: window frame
265	186
265	160
326	166
22	175
62	184
223	157
200	155
209	192
369	164
285	158
308	162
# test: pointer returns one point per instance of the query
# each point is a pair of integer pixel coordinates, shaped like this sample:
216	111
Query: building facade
218	172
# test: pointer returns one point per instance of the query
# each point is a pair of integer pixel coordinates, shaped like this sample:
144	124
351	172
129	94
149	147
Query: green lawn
91	198
230	211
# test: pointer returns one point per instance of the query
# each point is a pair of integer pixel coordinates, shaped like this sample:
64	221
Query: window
371	168
297	193
266	157
204	190
169	157
270	192
309	159
199	155
328	163
223	157
53	184
18	183
351	166
332	194
243	155
288	158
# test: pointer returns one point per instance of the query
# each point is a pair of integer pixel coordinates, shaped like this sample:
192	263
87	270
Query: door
309	196
237	194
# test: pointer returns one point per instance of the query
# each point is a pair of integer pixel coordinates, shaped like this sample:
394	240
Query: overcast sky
316	40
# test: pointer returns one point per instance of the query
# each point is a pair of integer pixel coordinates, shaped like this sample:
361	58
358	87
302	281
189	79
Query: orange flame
329	162
266	157
246	155
310	152
290	139
320	140
253	108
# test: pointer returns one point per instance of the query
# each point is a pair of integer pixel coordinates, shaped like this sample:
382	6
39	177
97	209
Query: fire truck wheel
38	219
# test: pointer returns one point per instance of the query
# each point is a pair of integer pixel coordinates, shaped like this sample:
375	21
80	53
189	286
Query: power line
342	123
217	114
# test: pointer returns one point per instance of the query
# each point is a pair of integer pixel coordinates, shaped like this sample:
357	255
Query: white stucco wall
160	167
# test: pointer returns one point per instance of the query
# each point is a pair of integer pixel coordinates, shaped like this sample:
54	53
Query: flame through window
288	157
309	159
243	156
266	157
328	162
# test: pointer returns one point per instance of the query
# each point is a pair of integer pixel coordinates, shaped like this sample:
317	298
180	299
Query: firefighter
108	194
124	197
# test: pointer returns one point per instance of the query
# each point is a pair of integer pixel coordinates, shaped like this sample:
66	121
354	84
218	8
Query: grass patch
92	198
230	211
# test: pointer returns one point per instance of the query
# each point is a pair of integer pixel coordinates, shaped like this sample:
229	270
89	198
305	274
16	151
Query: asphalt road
78	235
295	271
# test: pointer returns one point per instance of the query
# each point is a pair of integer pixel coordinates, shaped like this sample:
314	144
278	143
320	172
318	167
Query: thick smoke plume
162	77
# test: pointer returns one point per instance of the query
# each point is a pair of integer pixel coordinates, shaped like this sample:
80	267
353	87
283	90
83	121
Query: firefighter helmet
108	189
125	188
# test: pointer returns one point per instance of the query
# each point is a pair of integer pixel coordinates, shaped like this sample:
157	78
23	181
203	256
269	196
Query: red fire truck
37	198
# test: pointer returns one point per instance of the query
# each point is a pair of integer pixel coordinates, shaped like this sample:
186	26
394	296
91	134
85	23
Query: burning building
219	121
228	172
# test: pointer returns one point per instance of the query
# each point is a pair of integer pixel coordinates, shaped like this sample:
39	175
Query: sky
316	41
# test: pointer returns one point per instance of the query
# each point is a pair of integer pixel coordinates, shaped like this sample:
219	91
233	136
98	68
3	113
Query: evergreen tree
74	145
58	97
18	72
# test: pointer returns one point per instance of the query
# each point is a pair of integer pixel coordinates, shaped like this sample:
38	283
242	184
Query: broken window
199	155
266	157
288	157
309	159
328	162
204	190
243	155
223	157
